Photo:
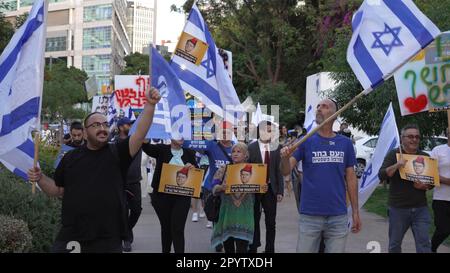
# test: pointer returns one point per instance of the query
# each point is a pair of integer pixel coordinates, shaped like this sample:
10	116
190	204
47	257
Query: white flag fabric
20	159
209	80
310	119
21	80
386	33
388	139
21	84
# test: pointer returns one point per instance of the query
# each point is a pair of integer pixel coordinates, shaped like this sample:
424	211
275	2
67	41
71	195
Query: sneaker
195	217
209	224
219	248
202	214
126	246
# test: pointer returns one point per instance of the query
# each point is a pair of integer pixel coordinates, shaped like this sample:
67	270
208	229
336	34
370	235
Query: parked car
365	148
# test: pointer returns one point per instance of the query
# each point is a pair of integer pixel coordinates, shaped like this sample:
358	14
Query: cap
247	168
193	40
123	121
420	159
184	171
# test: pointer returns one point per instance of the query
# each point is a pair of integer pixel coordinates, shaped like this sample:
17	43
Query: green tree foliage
63	87
137	64
6	30
273	44
367	114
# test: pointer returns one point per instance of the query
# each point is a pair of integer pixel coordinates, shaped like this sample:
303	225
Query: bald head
325	109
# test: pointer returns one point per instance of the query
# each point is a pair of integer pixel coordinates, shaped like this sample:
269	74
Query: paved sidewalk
197	236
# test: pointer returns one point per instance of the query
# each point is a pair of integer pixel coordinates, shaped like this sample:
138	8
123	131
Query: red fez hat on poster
420	159
193	40
226	125
184	171
247	168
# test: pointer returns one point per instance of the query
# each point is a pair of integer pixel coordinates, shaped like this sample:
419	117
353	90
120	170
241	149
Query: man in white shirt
441	195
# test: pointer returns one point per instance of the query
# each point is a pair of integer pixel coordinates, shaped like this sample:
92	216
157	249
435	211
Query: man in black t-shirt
408	207
91	180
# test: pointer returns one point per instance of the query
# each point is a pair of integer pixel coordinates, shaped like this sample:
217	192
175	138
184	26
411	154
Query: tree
6	30
137	64
272	42
367	114
63	87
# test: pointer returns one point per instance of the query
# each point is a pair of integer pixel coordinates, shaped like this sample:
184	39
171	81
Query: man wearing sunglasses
407	200
91	180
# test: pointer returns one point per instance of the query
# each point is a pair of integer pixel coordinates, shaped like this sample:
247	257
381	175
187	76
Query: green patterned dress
235	218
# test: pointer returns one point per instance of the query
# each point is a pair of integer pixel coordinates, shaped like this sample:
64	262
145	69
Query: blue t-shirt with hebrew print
324	162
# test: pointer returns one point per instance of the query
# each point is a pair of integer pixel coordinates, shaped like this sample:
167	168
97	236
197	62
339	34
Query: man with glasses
91	182
407	200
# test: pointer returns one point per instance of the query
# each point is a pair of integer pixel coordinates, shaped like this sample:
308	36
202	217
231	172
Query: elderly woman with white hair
235	225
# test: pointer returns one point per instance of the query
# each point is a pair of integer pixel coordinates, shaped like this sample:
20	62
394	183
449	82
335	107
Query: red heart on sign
415	105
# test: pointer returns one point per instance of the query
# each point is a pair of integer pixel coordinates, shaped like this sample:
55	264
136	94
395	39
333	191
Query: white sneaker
209	224
202	214
195	217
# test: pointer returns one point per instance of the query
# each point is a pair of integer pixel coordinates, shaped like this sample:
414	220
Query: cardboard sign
423	84
191	48
420	168
101	104
179	180
130	91
245	178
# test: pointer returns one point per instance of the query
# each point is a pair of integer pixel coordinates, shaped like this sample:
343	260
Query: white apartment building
141	25
88	34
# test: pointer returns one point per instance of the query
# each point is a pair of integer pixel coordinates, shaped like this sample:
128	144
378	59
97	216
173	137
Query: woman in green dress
235	226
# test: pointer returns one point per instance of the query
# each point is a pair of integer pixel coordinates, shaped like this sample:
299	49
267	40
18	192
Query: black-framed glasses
412	137
97	125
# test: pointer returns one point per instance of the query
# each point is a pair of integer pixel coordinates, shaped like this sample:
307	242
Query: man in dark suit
266	150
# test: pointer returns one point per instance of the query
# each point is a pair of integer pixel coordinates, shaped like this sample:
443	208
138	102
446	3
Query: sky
169	24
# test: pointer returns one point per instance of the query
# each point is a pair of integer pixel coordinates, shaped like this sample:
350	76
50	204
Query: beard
77	142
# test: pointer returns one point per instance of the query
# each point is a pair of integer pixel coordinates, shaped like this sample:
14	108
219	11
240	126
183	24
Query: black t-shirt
93	204
402	193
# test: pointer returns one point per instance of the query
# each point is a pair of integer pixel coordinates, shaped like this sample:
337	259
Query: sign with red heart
423	84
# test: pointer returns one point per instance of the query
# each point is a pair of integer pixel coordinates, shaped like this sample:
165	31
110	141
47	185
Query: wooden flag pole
448	122
36	158
330	119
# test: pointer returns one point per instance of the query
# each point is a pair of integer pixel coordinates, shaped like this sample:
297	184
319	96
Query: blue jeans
400	220
334	230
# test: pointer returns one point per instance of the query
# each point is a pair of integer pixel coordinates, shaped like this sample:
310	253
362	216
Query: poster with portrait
101	104
246	178
420	168
191	48
180	180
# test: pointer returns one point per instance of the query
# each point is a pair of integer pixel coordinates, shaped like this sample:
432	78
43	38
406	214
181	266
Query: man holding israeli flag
201	70
21	84
386	34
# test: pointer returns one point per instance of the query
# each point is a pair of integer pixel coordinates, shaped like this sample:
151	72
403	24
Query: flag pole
38	119
36	158
350	103
329	119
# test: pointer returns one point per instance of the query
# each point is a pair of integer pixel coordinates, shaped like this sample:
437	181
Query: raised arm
145	121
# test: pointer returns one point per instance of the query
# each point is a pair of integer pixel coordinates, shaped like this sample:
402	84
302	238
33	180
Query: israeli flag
172	116
388	139
209	81
115	112
310	119
21	83
386	34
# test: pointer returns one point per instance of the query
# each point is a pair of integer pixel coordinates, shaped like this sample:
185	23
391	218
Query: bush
14	235
41	213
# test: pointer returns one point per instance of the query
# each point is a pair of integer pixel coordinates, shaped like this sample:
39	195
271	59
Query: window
371	143
100	66
99	37
56	44
97	13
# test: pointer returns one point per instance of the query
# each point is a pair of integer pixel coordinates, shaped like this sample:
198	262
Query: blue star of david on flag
387	47
209	67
